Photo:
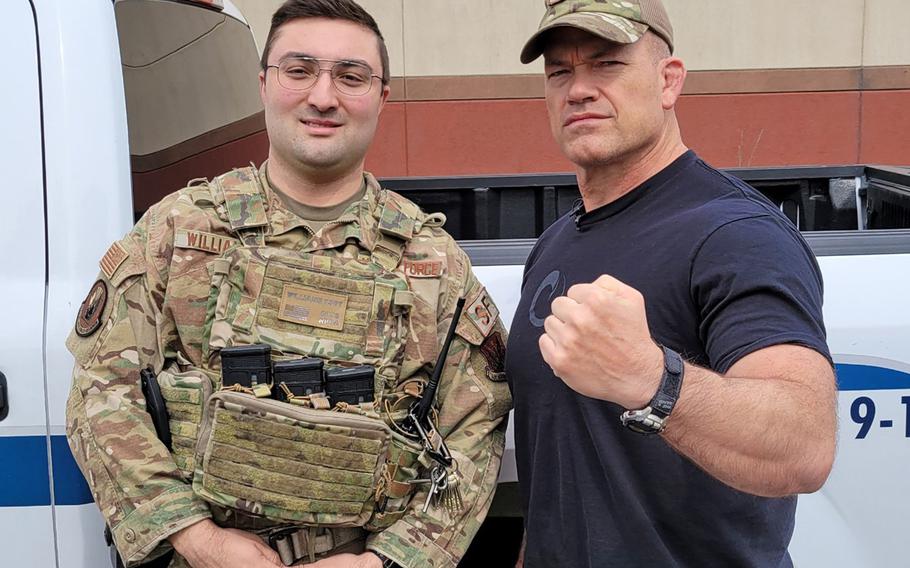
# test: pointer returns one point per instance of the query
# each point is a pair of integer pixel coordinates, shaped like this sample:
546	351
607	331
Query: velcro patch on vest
112	259
199	240
422	268
482	312
312	307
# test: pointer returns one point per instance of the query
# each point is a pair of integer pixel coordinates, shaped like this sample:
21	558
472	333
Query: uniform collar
358	222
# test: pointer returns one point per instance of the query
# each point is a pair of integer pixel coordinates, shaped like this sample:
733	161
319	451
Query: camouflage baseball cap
622	21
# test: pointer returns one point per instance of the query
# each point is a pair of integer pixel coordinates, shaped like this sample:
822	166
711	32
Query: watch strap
670	384
652	419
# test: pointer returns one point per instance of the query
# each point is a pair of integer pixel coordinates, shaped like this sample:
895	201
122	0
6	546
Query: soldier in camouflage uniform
242	259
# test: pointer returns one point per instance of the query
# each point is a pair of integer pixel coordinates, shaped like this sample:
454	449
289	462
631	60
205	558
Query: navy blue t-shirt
723	274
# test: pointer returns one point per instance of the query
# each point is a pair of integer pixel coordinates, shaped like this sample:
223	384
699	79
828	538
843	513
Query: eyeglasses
301	73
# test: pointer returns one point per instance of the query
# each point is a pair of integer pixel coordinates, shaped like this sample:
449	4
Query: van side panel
88	207
859	516
26	526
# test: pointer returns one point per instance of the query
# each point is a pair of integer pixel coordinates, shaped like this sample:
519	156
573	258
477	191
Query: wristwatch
386	561
652	419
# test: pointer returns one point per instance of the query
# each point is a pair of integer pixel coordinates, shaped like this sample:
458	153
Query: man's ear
384	96
262	86
673	77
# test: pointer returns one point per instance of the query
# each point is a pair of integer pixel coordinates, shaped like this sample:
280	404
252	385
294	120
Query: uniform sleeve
474	401
133	478
756	284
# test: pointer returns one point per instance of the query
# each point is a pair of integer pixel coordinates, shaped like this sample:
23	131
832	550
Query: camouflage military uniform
152	308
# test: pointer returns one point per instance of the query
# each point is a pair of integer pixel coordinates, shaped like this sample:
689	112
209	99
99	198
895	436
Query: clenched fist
598	342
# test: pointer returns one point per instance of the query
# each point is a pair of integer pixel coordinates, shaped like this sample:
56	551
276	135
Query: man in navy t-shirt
673	390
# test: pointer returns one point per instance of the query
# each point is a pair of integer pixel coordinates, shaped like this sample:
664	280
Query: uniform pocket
288	463
185	394
395	490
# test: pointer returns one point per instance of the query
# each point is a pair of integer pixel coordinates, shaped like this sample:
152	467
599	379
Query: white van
100	96
112	104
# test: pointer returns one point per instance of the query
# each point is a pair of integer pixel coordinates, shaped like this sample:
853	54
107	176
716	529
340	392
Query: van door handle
4	400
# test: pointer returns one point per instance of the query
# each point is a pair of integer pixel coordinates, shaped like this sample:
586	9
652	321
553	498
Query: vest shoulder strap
244	202
399	219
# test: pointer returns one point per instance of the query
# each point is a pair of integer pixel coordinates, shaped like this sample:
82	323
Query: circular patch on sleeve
89	319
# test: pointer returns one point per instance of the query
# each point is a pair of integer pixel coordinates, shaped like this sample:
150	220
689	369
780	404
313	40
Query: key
430	494
451	495
438	483
441	486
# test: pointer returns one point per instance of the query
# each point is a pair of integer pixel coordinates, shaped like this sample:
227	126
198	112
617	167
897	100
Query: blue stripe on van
70	487
23	471
23	459
852	377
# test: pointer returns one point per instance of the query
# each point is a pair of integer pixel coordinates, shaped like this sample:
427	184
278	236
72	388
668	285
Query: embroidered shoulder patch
88	320
112	259
493	350
482	312
199	240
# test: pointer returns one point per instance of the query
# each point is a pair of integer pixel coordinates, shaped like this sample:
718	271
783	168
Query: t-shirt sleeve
755	284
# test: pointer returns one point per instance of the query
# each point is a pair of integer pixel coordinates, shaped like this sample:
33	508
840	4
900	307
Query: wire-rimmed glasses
349	77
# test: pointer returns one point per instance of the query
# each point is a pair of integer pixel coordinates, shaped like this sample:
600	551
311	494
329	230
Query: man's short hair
331	9
657	45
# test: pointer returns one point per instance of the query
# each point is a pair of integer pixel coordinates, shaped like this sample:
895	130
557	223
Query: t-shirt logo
552	286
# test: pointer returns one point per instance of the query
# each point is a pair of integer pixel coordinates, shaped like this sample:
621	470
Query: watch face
642	421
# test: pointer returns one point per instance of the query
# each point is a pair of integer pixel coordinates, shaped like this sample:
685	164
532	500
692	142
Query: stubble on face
624	99
324	152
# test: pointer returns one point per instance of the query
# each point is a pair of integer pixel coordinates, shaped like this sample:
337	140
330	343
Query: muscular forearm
766	436
767	426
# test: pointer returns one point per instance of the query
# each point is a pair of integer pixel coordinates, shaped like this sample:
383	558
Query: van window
192	96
